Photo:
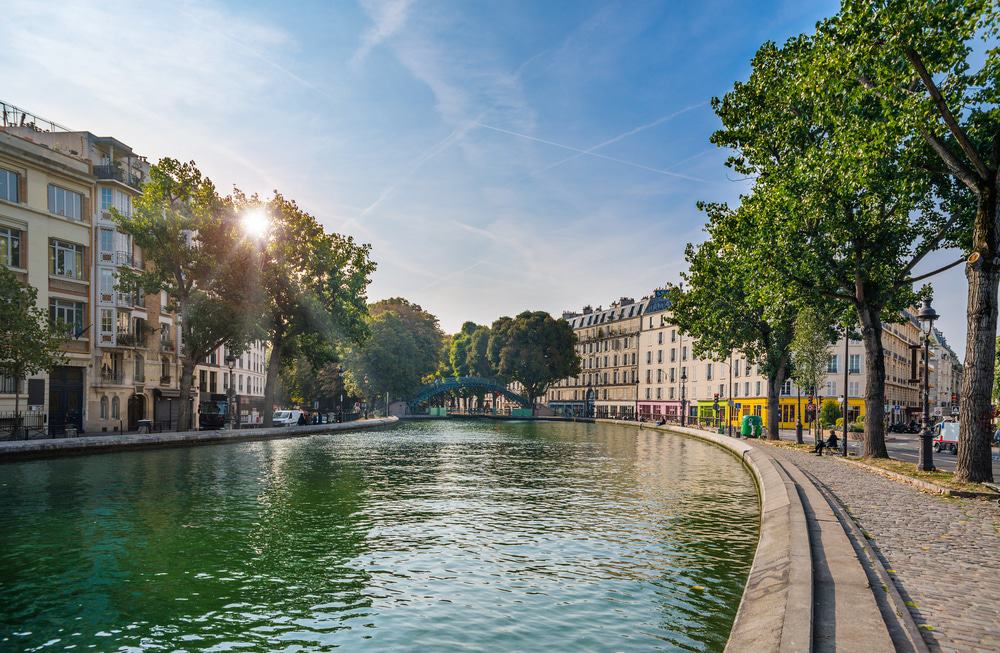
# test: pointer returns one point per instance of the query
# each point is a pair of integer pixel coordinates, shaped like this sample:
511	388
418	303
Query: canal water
430	536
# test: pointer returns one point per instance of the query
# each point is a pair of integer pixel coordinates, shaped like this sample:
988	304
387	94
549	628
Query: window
673	374
708	372
106	281
213	380
670	393
8	185
10	247
107	240
65	202
786	388
659	393
8	385
649	357
115	408
736	367
106	199
854	364
123	202
659	376
853	389
107	320
139	374
832	365
104	407
659	338
67	312
65	259
648	393
684	353
757	389
673	355
659	355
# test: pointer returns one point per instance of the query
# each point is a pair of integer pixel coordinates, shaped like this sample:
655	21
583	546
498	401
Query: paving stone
945	552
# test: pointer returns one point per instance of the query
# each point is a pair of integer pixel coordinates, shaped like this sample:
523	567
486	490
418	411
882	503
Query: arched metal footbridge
476	384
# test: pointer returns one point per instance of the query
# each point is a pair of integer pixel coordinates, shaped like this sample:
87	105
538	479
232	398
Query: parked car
946	437
286	417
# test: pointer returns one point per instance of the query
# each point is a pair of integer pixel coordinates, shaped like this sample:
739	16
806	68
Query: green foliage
732	303
533	349
459	348
810	348
28	342
195	251
312	285
477	359
403	348
829	412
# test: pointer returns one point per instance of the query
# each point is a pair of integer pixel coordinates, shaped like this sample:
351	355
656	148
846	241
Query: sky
498	155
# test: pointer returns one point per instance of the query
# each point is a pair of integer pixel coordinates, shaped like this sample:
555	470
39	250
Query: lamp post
340	387
847	344
926	315
798	414
231	392
684	378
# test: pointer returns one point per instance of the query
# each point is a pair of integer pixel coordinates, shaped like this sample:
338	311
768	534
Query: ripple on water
429	536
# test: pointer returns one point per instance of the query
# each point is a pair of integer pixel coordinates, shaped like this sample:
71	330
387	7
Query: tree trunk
774	384
975	410
184	409
273	367
871	334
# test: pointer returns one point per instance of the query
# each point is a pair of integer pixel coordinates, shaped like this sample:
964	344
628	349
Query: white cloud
389	17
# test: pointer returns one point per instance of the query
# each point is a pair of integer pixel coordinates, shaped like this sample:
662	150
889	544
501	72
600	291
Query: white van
286	417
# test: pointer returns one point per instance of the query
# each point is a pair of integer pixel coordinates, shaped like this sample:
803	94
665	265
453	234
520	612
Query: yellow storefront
789	407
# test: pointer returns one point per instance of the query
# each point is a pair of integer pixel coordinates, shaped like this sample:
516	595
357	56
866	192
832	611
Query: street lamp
340	387
798	414
231	391
926	315
684	378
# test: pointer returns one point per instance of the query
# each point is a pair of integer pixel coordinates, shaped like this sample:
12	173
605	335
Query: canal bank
815	584
83	445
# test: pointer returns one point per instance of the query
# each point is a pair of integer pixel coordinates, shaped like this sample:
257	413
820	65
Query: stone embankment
815	584
88	444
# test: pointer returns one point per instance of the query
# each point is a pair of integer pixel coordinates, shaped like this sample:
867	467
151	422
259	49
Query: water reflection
429	536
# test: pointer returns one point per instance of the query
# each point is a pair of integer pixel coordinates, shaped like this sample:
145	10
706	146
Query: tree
196	252
477	359
533	349
837	210
312	286
458	349
29	343
729	305
916	59
810	348
402	349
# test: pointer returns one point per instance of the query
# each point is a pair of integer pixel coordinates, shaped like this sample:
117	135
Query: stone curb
927	486
23	449
779	585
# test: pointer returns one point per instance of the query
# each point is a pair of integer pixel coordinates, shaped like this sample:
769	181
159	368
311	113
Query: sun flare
256	222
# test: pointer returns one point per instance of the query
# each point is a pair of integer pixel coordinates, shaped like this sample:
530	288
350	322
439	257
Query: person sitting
830	443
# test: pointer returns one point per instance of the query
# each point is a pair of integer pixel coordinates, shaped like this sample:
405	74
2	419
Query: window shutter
22	189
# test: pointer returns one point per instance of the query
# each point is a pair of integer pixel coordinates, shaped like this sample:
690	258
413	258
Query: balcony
167	346
130	339
112	377
116	173
165	380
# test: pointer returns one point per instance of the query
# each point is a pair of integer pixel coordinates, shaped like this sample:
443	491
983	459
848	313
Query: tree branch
964	173
946	114
920	277
927	246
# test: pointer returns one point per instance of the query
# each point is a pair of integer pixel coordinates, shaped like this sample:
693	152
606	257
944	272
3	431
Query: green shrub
829	412
856	427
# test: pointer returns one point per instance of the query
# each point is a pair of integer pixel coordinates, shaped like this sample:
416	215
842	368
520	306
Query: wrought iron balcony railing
117	173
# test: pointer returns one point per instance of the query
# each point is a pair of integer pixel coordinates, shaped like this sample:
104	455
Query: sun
256	222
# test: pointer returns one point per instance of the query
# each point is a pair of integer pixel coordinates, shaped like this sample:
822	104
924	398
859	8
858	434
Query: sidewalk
943	551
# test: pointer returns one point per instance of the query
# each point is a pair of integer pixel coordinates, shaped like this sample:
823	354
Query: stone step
846	615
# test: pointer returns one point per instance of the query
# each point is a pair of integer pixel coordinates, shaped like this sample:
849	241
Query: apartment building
672	381
608	345
134	337
46	231
247	376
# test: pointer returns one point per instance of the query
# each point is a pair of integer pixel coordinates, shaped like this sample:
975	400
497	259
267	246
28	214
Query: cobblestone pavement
945	552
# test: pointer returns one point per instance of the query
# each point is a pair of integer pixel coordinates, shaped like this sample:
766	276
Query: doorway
65	399
136	411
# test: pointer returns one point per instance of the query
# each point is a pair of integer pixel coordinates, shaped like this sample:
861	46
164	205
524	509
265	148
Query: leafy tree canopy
533	349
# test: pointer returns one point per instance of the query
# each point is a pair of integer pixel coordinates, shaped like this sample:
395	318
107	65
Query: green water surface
430	536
